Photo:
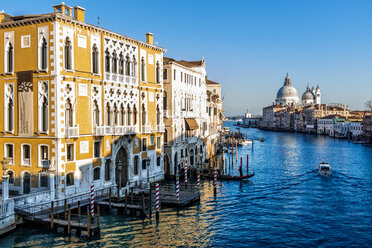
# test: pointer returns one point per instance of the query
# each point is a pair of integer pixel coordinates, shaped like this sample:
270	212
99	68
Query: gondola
229	177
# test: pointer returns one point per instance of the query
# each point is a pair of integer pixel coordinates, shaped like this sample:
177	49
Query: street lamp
5	163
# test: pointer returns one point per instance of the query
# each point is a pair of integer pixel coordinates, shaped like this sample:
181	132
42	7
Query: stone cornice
59	17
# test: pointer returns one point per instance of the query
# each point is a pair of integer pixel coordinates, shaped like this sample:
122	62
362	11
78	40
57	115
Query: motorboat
245	142
324	169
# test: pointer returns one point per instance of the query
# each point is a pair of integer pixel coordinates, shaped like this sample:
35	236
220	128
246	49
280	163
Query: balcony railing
123	130
9	160
160	128
146	129
26	161
45	163
108	130
72	132
99	131
166	113
114	77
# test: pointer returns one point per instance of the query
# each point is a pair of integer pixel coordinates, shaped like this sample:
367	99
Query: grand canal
285	204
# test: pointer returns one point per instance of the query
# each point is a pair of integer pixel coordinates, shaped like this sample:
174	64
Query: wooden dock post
65	213
98	219
79	211
110	199
69	220
126	202
52	216
88	221
150	204
143	203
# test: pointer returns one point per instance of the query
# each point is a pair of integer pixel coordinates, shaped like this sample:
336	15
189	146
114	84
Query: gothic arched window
69	114
44	54
95	59
127	66
107	61
10	58
95	113
44	115
121	64
114	63
68	56
143	69
157	72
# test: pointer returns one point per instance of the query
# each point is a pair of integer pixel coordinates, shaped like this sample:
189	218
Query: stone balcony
146	129
160	128
119	78
45	163
72	132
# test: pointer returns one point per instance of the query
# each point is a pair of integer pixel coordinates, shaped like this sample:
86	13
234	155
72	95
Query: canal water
285	204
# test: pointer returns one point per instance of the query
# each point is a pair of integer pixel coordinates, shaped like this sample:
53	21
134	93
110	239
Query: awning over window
191	124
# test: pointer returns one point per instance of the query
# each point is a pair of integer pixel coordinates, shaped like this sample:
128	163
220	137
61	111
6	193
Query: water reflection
286	203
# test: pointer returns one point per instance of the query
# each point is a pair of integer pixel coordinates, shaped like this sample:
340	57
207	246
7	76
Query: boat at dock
229	177
245	142
324	169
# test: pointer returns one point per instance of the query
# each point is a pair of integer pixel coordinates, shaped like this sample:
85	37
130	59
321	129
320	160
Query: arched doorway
166	165
121	167
175	163
26	182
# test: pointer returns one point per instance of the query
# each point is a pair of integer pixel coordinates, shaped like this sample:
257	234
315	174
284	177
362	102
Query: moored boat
229	177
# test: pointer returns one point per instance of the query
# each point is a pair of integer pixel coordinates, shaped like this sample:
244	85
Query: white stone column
52	185
5	188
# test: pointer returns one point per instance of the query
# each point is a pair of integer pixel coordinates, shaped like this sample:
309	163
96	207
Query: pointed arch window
143	67
116	115
122	115
68	55
95	59
107	61
121	64
165	100
135	115
95	114
129	112
69	114
108	115
44	54
157	73
9	115
143	115
157	115
133	67
9	57
127	66
114	63
44	115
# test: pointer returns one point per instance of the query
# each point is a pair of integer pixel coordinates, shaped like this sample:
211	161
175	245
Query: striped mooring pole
215	180
157	201
186	173
198	179
92	200
178	187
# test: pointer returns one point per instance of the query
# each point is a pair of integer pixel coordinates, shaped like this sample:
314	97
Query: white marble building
185	114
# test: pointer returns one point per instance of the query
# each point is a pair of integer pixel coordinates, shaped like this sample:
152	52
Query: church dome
287	93
308	95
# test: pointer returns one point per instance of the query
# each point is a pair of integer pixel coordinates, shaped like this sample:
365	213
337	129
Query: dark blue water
285	204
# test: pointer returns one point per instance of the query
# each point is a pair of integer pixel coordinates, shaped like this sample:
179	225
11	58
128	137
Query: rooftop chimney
63	9
150	38
79	13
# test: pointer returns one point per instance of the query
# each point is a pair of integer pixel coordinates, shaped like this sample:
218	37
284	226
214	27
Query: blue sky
249	46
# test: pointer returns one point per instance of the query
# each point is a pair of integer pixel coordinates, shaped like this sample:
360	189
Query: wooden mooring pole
88	221
65	213
110	198
52	216
98	219
69	220
79	211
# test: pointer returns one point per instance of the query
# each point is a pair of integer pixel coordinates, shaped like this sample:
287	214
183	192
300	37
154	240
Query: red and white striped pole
157	201
178	187
215	180
186	173
92	200
247	164
198	179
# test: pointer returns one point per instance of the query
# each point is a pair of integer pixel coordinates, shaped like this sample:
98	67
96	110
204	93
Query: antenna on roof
98	21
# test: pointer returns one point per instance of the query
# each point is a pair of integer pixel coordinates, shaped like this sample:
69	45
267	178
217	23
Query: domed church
287	94
312	96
